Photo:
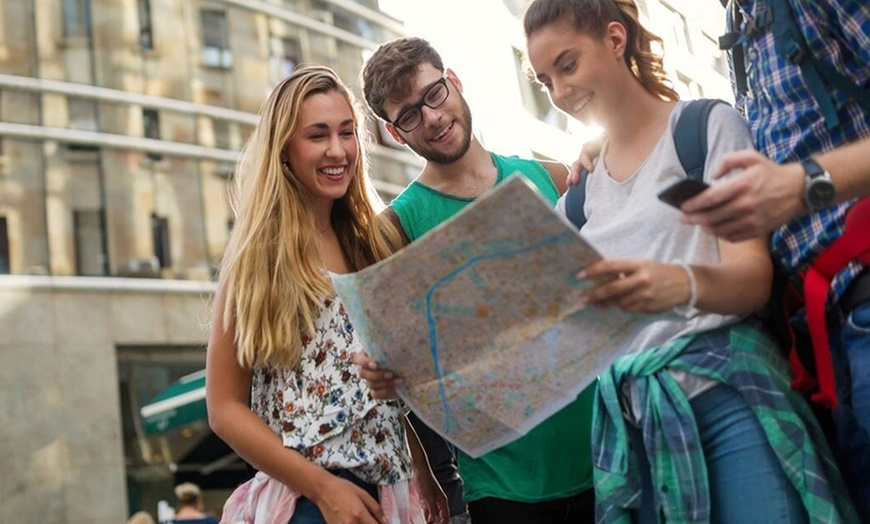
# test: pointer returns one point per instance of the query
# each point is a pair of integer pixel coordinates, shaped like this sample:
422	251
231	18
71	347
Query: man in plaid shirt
811	171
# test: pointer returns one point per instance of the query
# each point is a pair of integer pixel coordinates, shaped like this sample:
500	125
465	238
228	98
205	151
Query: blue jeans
851	356
307	512
747	483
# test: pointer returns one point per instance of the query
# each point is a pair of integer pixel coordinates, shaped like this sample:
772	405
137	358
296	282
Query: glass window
151	125
82	114
89	233
145	37
77	18
160	234
4	246
222	137
290	58
215	39
679	29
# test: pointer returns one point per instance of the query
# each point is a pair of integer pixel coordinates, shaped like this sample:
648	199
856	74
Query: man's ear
451	75
394	133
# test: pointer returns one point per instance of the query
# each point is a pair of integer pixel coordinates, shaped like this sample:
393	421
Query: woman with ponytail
280	387
696	422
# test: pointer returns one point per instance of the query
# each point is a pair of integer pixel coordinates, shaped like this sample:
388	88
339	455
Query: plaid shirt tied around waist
738	355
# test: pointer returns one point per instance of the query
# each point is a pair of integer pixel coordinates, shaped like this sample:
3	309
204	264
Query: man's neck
470	176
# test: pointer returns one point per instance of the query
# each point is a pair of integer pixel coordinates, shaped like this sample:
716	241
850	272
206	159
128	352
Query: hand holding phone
683	190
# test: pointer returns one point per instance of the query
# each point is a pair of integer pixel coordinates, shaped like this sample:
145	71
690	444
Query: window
77	18
221	130
215	40
82	114
4	247
160	234
89	229
687	87
679	30
151	125
146	40
290	58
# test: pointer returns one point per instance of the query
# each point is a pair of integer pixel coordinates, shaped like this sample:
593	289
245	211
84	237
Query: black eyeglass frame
418	107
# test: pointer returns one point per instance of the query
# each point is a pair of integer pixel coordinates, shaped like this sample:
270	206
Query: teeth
333	170
581	104
442	133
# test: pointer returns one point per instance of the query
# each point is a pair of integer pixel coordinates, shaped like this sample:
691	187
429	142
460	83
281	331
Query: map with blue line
482	319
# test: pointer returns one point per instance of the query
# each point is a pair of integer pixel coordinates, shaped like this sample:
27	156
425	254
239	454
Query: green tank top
554	460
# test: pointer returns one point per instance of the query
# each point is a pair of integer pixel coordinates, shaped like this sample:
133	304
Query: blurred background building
120	123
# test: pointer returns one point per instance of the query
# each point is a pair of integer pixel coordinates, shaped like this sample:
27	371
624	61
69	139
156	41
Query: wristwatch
819	192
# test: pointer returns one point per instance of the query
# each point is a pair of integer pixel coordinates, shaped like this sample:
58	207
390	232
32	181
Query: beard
448	157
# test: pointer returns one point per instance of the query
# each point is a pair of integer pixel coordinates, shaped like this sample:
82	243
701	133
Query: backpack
690	139
809	354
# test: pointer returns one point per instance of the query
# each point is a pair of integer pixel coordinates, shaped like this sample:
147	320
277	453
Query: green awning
180	404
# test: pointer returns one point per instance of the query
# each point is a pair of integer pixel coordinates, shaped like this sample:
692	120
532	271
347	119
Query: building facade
120	123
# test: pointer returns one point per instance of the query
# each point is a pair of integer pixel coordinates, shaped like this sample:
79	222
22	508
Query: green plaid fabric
741	356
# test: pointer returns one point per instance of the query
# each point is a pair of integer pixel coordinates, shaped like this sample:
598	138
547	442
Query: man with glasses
545	476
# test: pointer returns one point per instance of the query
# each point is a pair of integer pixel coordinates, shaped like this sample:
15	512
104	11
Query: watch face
820	194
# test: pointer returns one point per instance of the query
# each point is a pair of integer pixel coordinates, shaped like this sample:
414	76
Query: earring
286	165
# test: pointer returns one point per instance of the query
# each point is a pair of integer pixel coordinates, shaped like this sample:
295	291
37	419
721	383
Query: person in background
141	517
696	423
189	506
280	387
545	476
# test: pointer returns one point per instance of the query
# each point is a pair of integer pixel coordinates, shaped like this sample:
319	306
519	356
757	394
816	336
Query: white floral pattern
322	408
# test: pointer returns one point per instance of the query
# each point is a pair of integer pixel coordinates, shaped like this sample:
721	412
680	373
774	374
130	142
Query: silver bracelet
693	290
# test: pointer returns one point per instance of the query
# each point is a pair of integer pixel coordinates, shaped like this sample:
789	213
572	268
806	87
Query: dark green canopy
180	404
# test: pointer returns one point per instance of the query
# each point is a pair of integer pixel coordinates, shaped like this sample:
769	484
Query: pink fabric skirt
264	500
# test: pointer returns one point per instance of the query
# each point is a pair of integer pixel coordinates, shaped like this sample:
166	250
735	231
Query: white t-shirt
627	220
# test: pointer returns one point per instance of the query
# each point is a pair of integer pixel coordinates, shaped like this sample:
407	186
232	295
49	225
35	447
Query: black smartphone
683	190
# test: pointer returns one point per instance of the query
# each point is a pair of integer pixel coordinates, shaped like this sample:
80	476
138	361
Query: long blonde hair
272	275
591	17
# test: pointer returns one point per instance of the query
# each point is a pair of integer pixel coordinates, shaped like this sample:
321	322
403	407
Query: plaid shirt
738	355
786	122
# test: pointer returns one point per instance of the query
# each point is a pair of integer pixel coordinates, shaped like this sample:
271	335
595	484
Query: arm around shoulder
558	173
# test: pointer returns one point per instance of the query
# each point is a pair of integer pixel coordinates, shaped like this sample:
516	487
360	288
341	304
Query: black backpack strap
733	43
690	139
575	198
818	75
690	136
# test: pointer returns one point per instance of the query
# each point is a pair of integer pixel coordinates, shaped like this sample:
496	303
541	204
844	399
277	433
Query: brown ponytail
591	17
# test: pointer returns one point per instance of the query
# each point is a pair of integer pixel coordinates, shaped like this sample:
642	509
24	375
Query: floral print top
323	410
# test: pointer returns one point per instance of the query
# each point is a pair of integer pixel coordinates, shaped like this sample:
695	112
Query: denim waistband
857	293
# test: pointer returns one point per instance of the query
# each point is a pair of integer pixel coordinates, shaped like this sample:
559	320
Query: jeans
307	512
851	357
747	483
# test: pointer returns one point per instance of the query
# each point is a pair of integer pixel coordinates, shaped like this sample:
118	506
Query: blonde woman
280	386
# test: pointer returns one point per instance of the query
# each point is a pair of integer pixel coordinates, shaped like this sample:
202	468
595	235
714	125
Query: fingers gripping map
482	319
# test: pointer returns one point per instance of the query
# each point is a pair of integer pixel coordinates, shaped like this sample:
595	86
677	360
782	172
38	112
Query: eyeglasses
411	118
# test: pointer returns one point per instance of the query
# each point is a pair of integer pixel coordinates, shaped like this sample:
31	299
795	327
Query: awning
180	404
